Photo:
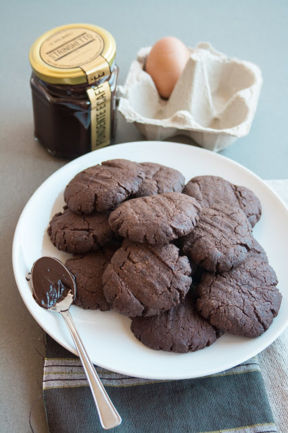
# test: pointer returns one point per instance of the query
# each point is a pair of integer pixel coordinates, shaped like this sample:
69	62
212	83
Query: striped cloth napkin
233	401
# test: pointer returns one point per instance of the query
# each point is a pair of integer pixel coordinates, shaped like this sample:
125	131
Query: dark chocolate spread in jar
74	89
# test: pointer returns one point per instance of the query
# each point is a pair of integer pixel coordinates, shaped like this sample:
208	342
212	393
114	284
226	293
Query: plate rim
16	246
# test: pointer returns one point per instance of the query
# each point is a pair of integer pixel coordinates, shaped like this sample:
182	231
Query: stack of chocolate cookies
181	263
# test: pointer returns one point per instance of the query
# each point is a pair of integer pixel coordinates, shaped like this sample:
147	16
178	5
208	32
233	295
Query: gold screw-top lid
73	54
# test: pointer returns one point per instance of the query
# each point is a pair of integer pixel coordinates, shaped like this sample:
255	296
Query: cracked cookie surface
213	190
221	240
157	219
103	187
88	271
80	234
160	179
243	301
180	329
143	280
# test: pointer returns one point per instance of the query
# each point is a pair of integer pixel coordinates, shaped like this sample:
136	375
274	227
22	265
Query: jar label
72	47
96	70
100	111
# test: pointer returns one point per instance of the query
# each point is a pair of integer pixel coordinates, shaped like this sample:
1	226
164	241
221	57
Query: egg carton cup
213	102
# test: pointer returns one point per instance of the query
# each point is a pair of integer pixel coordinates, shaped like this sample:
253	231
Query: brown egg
165	64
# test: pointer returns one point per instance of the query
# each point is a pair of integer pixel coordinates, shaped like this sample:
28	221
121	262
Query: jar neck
76	90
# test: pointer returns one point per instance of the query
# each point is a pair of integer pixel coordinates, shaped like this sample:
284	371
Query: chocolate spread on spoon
51	281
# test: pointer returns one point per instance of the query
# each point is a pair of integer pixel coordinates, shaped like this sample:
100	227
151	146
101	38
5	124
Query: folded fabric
232	401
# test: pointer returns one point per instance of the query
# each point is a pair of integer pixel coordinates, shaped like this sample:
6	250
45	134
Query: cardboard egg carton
213	102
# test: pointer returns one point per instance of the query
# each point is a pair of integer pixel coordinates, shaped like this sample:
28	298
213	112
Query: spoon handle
109	417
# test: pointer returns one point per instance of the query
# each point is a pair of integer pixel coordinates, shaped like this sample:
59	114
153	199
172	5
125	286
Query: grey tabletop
254	30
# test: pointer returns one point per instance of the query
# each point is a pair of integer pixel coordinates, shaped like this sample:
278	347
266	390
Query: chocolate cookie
180	329
221	239
160	179
80	234
142	280
211	190
103	187
157	219
88	271
243	301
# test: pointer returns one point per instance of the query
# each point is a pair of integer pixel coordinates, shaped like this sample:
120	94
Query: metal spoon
54	288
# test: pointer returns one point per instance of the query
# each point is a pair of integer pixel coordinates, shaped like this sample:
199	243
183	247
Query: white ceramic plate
107	336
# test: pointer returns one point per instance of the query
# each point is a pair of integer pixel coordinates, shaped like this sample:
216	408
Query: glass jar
73	87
